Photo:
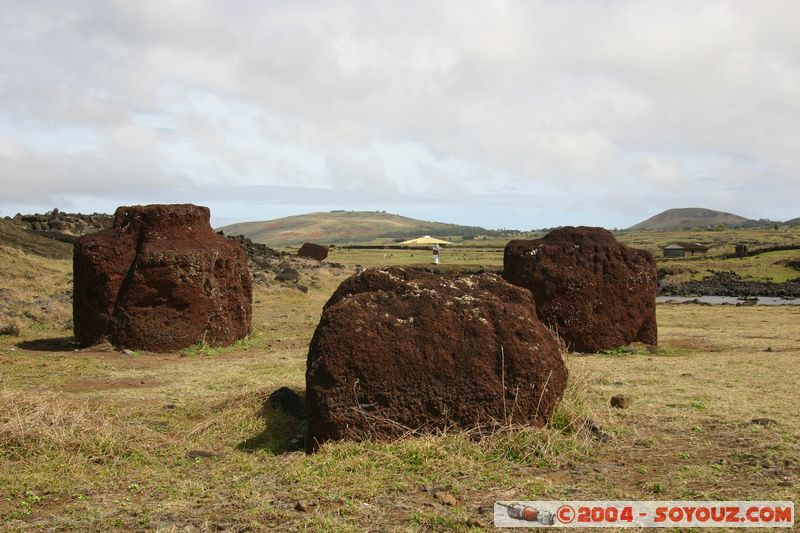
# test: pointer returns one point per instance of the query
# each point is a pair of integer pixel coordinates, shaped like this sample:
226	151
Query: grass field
96	440
719	241
450	256
771	266
343	227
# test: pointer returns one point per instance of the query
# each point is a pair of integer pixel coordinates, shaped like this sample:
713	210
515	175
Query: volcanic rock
593	291
404	350
620	401
729	283
288	401
260	256
288	274
160	279
57	222
313	251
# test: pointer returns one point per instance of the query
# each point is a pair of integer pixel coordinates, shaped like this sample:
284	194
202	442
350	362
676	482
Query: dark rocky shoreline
730	284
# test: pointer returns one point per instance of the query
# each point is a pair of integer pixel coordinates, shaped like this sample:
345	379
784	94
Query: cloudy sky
497	113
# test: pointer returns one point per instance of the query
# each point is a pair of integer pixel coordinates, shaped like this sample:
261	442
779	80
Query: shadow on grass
283	432
55	344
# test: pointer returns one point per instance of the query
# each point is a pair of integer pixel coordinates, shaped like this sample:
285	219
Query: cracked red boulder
593	291
313	251
403	350
160	279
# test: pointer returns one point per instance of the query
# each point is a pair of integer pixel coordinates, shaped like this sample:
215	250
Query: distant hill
341	227
13	236
690	217
793	222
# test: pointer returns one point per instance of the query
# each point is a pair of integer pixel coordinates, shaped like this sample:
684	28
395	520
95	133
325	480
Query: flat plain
95	439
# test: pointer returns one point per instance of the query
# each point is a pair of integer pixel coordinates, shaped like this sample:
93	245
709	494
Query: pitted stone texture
401	349
593	291
160	279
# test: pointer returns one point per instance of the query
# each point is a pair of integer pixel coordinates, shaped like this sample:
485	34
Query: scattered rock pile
268	265
731	284
403	349
160	279
259	256
593	291
68	224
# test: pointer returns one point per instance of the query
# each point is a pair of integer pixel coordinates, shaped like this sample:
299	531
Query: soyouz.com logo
643	514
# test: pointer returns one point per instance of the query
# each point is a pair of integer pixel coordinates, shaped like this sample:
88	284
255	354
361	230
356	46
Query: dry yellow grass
97	440
34	291
455	255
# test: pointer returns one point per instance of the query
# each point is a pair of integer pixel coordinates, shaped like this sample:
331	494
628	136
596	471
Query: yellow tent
427	239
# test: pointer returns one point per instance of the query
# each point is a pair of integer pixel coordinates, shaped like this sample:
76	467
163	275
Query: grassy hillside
15	237
35	292
342	227
687	218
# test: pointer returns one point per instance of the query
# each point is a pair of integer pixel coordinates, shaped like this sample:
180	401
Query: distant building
682	249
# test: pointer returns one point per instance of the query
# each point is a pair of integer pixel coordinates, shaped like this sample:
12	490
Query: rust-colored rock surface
402	349
160	279
593	291
313	251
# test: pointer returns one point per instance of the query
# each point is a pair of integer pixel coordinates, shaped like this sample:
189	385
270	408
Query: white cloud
662	173
624	104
